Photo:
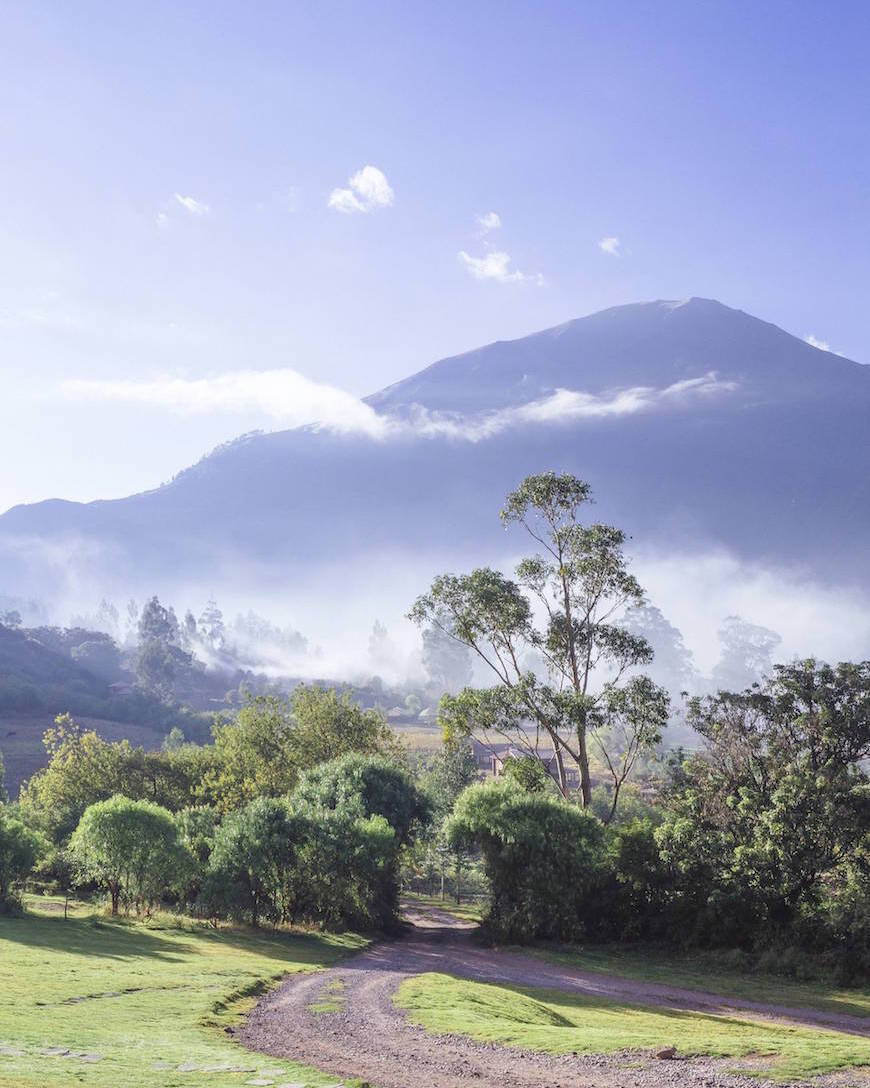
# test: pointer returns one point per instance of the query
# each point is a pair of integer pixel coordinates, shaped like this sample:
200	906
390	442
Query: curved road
370	1038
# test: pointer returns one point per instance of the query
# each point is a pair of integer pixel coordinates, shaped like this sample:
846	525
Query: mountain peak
655	343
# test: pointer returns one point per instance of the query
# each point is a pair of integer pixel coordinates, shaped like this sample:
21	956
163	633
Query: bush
19	850
545	860
130	848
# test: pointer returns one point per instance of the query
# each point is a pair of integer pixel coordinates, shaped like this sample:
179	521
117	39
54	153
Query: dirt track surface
373	1040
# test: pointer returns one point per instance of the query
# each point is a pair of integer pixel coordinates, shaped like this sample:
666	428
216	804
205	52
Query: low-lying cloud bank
288	398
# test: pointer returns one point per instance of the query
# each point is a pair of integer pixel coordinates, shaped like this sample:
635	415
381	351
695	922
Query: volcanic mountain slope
696	424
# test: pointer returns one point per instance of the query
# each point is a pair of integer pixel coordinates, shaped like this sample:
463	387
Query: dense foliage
305	808
329	852
543	858
272	740
760	840
19	849
767	831
130	848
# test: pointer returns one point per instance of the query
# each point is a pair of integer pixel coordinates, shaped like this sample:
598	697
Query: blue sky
168	226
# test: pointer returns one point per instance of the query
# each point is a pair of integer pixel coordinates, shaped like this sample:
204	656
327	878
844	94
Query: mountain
696	424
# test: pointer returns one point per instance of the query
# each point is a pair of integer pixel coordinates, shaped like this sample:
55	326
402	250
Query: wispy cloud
822	345
611	245
192	205
488	222
496	265
161	219
566	405
814	342
284	396
367	190
292	400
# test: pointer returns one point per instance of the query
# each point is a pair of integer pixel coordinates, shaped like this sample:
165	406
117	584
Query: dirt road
371	1039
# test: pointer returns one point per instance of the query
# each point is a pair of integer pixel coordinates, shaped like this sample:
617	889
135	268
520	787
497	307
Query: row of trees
759	840
327	852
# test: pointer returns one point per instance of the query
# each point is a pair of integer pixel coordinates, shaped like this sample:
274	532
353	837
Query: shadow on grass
92	936
307	949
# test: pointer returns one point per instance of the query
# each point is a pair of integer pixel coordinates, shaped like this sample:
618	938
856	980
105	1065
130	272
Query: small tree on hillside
580	583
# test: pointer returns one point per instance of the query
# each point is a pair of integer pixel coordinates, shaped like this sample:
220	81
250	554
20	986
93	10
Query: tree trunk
560	767
114	894
585	780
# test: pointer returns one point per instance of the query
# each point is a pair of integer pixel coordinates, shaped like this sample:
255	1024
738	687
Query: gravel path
371	1039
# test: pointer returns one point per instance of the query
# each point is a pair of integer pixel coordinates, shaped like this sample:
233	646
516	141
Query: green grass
467	911
560	1023
148	997
331	1000
699	971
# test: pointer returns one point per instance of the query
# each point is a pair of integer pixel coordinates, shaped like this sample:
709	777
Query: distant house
490	758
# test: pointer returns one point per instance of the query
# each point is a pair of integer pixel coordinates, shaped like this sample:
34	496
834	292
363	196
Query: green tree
544	858
361	811
528	772
580	582
83	768
381	787
160	659
252	860
197	829
767	825
330	726
19	849
130	848
158	624
273	739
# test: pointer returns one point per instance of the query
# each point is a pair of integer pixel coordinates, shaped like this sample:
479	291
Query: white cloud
611	245
284	396
494	265
192	205
566	405
292	400
822	345
489	221
367	190
161	219
814	342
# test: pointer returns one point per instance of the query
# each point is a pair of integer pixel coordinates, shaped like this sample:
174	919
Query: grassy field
469	910
151	1000
560	1023
697	971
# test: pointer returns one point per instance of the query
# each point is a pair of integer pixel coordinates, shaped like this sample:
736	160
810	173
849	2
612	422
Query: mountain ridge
769	459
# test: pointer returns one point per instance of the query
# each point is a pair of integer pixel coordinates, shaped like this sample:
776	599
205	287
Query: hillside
696	424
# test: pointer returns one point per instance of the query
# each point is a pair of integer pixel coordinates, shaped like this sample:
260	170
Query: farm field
85	1001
